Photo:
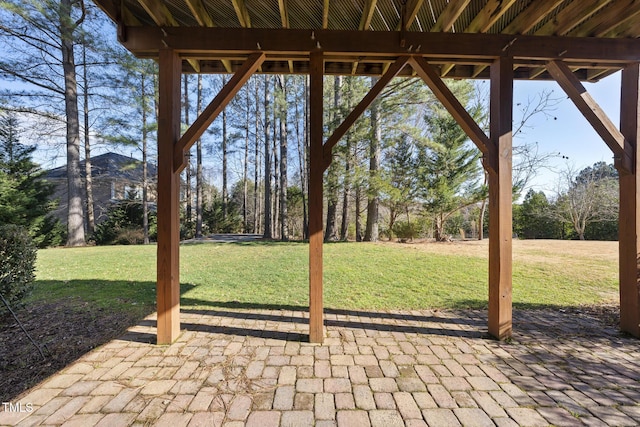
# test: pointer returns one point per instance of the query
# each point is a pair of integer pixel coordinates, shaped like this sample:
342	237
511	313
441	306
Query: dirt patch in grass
65	330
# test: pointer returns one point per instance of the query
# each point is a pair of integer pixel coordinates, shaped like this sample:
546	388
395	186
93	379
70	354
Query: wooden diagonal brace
382	82
451	103
216	106
622	150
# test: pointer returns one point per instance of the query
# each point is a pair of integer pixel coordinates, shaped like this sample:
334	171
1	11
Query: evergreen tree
24	196
448	165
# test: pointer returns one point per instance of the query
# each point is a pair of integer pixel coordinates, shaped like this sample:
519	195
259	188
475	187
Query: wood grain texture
316	312
168	264
629	226
500	199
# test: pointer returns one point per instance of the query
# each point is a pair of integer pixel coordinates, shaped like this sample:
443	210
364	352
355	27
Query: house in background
115	178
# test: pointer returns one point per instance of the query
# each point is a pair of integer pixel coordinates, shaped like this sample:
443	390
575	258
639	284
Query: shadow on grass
67	319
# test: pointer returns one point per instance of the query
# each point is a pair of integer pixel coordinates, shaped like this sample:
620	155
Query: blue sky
570	134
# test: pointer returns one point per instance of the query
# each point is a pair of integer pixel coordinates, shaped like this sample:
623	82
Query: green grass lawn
356	276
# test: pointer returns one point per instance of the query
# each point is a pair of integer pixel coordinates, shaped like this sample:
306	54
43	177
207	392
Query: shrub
17	266
406	230
123	225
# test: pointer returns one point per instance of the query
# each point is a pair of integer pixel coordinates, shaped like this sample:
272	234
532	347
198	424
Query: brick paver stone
385	418
473	417
440	417
527	417
353	419
264	419
283	399
363	397
297	419
407	405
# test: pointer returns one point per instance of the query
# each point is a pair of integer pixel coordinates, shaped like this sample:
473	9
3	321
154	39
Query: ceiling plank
572	15
284	13
450	14
389	74
451	103
367	14
242	13
490	13
527	19
214	108
608	18
588	107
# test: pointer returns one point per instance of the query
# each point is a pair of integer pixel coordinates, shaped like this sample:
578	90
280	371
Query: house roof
108	165
599	36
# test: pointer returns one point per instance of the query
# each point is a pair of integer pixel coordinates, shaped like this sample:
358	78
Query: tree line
405	169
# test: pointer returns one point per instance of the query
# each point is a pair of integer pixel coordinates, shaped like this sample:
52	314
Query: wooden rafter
593	113
449	15
451	103
572	15
382	82
325	14
411	9
242	13
163	17
484	20
526	20
204	19
490	13
367	14
284	13
608	18
216	106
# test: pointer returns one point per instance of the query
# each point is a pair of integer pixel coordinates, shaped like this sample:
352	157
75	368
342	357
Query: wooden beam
490	13
242	13
367	14
449	15
629	225
571	16
316	311
527	19
382	82
500	199
377	44
592	112
216	106
284	13
411	10
325	14
168	260
451	103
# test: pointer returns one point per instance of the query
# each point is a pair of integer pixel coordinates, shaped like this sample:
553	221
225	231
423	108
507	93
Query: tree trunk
256	169
302	164
225	193
373	203
87	147
188	194
276	172
75	214
245	172
284	223
332	174
344	226
267	161
358	214
199	177
145	168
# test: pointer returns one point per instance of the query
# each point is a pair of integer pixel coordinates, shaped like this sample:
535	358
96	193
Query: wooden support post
629	230
500	198
316	169
168	285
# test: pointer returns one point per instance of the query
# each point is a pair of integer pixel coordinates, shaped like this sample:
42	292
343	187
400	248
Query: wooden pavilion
569	41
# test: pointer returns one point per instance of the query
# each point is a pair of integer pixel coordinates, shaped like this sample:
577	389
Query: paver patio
234	367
